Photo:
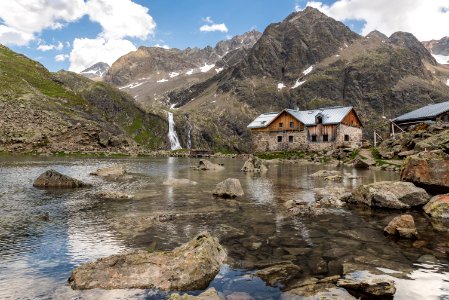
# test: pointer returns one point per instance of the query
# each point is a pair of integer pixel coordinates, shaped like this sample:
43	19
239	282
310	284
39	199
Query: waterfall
172	136
189	132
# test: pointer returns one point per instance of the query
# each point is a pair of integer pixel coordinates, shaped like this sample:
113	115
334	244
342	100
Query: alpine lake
45	234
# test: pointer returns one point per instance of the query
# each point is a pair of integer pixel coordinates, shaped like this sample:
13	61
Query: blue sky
76	33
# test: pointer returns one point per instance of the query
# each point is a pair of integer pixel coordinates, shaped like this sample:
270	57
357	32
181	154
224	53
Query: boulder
438	207
365	282
178	182
255	165
53	179
359	163
403	226
209	294
115	195
192	266
279	274
334	178
230	188
325	173
205	165
429	170
111	172
389	194
323	291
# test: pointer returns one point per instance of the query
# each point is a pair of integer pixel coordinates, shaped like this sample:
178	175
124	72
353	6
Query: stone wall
263	141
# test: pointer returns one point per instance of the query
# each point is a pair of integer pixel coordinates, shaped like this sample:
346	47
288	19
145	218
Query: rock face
438	207
390	194
367	283
53	179
429	170
254	164
96	71
205	165
189	267
403	225
230	188
111	172
279	274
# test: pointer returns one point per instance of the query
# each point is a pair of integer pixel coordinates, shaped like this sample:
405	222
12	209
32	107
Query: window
319	120
325	138
346	137
290	138
292	124
280	139
313	138
281	125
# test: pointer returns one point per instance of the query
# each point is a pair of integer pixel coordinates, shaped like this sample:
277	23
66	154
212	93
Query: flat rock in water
326	291
390	194
279	274
429	170
335	197
365	282
205	165
112	171
255	165
403	226
115	195
209	294
325	173
438	207
230	188
192	266
53	179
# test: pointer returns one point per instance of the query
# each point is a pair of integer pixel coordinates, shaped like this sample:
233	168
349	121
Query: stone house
428	113
319	129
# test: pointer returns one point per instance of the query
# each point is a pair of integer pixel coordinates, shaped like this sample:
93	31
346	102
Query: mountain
439	49
310	60
149	72
52	112
96	71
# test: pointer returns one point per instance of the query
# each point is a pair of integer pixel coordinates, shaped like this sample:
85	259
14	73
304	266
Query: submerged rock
53	179
429	170
254	164
438	207
403	226
325	173
230	188
178	182
115	195
335	197
110	172
390	194
326	291
279	274
189	267
205	165
368	283
209	294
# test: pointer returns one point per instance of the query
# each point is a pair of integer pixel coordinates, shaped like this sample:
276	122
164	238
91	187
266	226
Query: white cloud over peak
425	19
87	52
61	57
44	47
211	26
121	18
162	46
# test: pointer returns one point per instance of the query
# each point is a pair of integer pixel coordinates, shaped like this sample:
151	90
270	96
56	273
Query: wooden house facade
306	130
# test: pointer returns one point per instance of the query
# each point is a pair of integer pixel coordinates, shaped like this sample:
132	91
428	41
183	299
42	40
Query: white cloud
23	18
162	46
61	57
425	19
44	47
207	20
214	27
121	18
87	52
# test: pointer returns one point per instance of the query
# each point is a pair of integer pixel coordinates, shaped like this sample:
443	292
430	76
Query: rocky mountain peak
409	41
245	41
439	49
377	35
96	71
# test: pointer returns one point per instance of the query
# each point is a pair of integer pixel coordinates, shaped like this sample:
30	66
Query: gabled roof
426	112
331	115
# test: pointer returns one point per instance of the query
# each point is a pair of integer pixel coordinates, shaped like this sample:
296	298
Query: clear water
37	256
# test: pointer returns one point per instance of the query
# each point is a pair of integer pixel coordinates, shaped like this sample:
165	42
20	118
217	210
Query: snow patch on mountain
219	70
173	74
190	72
162	80
441	59
131	85
298	84
206	68
280	86
308	70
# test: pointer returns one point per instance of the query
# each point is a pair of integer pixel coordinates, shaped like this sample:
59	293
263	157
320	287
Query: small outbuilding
319	129
429	113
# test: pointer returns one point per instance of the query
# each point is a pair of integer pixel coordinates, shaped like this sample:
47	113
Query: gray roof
331	115
426	112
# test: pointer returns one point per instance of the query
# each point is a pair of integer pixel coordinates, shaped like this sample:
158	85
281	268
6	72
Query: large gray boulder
230	188
254	165
191	266
403	225
113	171
365	282
53	179
390	194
